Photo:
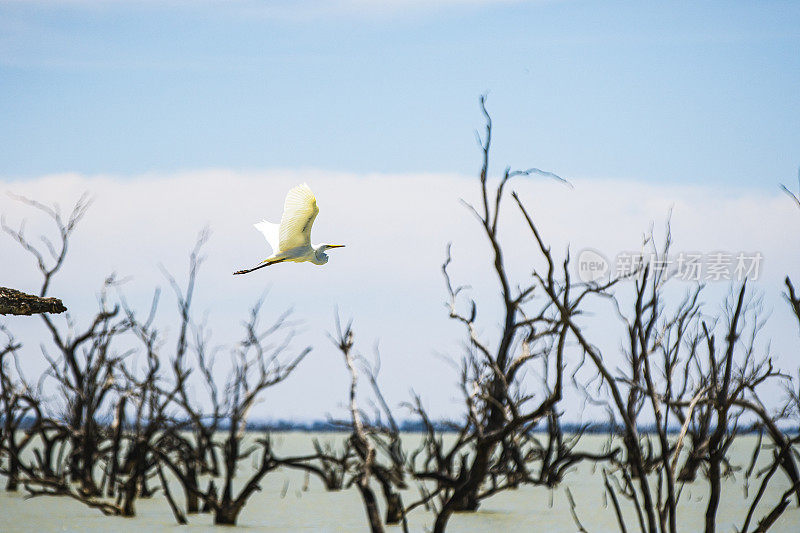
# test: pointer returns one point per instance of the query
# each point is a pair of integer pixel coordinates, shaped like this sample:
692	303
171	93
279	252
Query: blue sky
662	92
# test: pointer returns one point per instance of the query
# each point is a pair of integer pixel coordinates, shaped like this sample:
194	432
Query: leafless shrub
376	442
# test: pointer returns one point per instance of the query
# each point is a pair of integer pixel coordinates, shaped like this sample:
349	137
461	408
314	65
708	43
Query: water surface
285	503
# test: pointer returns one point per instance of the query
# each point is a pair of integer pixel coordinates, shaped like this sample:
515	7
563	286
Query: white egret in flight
291	239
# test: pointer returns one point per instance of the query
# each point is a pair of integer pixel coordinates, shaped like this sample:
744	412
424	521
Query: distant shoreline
413	426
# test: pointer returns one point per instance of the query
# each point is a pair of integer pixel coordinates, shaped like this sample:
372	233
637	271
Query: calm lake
286	504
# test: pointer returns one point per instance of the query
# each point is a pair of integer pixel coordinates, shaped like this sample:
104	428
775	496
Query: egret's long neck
320	258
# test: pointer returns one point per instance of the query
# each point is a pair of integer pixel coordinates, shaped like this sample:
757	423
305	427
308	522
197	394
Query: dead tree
257	367
361	443
743	397
781	454
87	373
13	411
385	433
498	406
193	337
25	423
377	448
149	395
84	365
376	440
665	374
786	451
190	458
153	431
794	196
258	364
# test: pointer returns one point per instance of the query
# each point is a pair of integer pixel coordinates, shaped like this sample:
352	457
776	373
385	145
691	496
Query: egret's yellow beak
336	246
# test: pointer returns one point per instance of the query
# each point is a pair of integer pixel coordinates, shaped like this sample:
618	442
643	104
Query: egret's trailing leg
262	265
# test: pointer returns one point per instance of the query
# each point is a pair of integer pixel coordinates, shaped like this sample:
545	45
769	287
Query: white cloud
396	228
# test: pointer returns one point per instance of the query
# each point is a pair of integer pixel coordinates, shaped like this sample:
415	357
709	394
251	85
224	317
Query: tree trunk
371	506
13	474
714	475
192	500
131	489
469	502
116	441
464	496
87	460
394	508
211	496
227	515
689	470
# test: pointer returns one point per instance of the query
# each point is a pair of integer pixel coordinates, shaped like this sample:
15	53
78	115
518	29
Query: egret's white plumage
291	239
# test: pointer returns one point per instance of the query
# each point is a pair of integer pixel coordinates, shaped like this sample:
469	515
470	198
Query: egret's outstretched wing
271	233
299	213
